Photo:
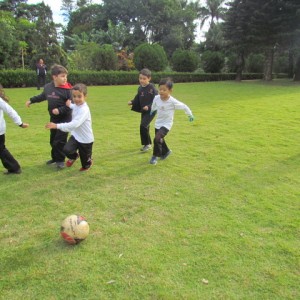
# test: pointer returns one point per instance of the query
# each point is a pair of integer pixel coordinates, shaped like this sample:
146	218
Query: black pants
58	139
41	81
145	128
7	159
160	146
85	151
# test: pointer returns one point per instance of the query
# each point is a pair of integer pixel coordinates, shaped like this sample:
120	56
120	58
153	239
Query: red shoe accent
70	162
86	169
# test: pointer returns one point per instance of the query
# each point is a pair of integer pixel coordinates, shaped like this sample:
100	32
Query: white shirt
165	111
81	124
5	107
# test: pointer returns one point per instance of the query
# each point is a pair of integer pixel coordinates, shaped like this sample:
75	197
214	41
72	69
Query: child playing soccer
82	137
142	103
8	161
165	105
56	93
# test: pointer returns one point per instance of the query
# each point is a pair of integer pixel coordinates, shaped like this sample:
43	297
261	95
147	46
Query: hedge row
25	78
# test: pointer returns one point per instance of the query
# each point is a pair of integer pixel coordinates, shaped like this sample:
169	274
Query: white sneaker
146	148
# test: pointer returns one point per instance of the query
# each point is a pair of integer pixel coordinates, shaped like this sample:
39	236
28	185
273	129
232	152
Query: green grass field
219	219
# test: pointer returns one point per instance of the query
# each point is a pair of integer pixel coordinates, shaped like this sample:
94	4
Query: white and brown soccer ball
74	229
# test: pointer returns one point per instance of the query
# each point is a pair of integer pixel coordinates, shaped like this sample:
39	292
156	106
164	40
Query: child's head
59	75
79	93
2	94
165	88
144	77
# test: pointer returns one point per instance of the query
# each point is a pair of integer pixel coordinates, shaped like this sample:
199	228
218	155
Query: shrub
184	61
149	56
212	61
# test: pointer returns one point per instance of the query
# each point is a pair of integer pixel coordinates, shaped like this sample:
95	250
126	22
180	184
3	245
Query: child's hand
145	108
191	118
28	103
129	103
51	125
55	111
68	102
25	125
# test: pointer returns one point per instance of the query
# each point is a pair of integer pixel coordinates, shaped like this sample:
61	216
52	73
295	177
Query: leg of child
7	159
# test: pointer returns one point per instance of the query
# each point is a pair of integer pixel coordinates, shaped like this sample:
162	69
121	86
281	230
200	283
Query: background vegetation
106	36
219	219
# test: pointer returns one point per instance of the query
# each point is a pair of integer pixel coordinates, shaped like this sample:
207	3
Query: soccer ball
74	229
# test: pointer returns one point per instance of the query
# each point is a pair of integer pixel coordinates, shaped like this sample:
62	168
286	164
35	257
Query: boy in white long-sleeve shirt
8	161
82	138
165	105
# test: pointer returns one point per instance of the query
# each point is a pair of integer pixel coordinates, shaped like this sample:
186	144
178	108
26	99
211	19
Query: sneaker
70	162
153	160
166	155
146	148
86	169
50	162
12	172
60	165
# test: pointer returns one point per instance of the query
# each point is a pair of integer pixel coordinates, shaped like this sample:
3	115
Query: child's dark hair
58	69
81	88
146	72
2	94
168	82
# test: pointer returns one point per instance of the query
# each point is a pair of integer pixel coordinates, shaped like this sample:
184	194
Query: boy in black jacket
142	103
56	93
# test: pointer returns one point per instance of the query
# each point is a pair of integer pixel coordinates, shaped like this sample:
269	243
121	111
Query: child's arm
12	114
182	106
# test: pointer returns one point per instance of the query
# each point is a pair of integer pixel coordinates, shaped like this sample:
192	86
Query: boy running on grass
81	141
56	93
165	105
142	103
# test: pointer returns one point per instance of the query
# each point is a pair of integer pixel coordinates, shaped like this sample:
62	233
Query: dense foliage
184	60
269	30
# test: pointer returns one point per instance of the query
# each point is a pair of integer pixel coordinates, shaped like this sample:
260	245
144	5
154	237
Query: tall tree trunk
291	64
240	63
297	70
269	64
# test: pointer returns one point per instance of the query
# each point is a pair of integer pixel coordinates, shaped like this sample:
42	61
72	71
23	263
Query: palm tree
212	10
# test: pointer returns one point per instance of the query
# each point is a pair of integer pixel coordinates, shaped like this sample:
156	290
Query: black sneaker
50	162
60	165
153	160
12	172
166	155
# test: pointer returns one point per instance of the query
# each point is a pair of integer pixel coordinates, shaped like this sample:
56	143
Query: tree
184	61
149	56
23	47
212	11
264	26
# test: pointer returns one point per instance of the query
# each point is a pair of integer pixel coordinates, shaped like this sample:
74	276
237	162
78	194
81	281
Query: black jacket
144	97
56	97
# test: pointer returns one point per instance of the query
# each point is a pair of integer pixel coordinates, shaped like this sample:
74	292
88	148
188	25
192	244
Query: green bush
27	78
212	61
104	58
149	56
184	61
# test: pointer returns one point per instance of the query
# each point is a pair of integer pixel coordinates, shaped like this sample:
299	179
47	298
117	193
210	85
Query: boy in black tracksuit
56	93
142	103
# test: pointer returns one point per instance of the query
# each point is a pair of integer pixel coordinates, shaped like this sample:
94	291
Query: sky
55	6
